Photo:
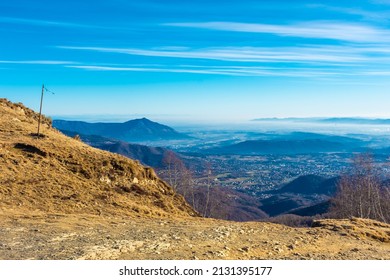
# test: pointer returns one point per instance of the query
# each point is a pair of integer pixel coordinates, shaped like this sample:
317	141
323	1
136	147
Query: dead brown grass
56	173
357	228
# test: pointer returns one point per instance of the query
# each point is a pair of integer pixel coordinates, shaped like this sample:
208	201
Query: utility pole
40	109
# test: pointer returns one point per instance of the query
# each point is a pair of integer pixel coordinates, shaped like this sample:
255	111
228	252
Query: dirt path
50	236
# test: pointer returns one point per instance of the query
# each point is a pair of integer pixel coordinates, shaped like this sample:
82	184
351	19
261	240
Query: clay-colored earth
76	236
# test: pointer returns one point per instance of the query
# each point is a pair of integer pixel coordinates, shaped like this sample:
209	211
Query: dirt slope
61	199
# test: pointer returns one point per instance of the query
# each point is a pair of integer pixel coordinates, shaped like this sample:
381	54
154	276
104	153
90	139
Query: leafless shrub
361	193
178	176
292	220
202	197
174	168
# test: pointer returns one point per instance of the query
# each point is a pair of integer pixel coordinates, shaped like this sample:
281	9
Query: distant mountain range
293	143
355	121
151	156
298	135
131	131
351	120
286	147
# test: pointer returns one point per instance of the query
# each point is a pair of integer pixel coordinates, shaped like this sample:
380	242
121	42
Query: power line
48	90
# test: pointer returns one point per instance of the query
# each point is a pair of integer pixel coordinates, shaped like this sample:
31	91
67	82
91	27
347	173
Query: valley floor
38	235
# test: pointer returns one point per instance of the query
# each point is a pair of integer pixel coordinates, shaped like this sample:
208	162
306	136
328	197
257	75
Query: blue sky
198	60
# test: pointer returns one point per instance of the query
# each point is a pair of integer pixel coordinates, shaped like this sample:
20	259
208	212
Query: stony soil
75	236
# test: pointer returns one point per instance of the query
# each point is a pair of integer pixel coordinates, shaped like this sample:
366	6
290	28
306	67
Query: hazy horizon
176	118
277	126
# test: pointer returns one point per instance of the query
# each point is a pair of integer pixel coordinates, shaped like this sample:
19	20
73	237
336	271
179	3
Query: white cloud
342	31
221	70
376	16
319	61
151	69
308	54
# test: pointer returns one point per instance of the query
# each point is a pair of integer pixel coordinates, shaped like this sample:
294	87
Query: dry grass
56	173
357	228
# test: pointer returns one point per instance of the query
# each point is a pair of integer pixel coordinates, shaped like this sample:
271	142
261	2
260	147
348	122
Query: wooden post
40	109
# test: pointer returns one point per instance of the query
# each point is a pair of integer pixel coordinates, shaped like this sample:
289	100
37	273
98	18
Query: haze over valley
256	159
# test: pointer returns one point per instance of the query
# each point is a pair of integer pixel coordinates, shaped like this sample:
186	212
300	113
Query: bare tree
174	167
179	177
201	193
206	211
361	193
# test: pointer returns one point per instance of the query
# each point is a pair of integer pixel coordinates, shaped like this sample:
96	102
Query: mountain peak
136	130
144	119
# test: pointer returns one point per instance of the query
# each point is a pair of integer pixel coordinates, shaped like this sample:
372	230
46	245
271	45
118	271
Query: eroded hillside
61	199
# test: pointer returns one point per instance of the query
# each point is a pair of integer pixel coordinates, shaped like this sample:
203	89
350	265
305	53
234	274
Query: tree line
362	192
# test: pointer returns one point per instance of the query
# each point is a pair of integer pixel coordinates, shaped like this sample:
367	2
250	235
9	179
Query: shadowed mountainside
306	195
310	184
151	156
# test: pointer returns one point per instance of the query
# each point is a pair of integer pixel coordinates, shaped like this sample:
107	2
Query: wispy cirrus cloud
305	54
376	16
334	30
152	69
244	71
218	70
305	61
